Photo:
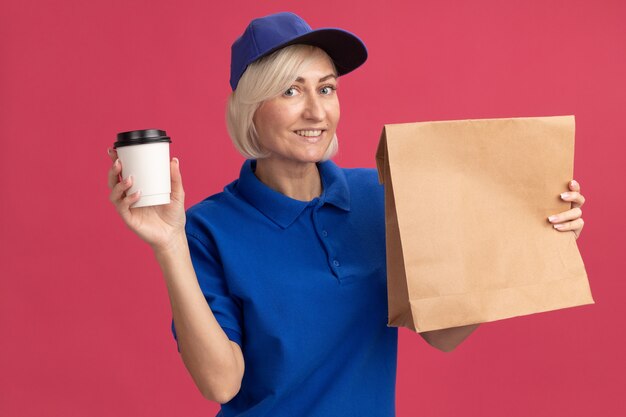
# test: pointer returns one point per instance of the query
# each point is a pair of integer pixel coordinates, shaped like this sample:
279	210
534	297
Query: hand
570	220
159	226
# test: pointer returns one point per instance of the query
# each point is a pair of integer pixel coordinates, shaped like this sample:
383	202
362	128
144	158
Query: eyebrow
301	80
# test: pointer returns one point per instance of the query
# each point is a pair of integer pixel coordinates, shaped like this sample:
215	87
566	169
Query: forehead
317	70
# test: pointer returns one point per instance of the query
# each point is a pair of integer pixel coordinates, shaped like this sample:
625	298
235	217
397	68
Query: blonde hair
265	79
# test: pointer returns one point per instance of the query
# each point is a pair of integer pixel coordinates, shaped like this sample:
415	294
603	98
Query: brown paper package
466	203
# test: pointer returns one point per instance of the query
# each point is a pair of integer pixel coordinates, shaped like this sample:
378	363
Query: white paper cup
145	154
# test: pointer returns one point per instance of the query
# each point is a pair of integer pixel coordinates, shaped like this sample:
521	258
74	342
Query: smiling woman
290	257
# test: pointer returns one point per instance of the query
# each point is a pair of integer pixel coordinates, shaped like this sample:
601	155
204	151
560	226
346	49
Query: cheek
278	117
264	120
334	112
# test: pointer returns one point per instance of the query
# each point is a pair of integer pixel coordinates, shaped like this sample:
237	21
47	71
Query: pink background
84	312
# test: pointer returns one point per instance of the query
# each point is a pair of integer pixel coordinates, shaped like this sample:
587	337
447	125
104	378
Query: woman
283	273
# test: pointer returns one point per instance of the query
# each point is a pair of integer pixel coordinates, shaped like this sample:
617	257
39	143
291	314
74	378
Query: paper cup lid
140	137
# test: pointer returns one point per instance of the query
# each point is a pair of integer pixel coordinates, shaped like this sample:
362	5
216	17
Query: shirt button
336	262
324	233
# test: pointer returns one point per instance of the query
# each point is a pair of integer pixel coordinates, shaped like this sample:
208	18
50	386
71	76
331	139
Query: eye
290	92
328	89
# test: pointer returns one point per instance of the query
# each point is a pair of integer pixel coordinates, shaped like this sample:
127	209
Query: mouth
310	136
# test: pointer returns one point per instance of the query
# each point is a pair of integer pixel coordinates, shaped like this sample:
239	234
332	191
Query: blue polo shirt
301	287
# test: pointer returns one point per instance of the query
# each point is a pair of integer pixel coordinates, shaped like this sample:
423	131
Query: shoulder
367	195
367	175
216	209
363	180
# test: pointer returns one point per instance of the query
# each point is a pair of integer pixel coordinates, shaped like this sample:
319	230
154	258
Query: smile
310	136
309	133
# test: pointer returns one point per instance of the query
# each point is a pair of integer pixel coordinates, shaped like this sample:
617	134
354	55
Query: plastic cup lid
140	137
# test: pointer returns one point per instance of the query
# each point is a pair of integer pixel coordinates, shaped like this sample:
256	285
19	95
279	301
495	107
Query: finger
177	181
119	191
568	215
112	153
574	185
114	173
574	197
575	225
124	206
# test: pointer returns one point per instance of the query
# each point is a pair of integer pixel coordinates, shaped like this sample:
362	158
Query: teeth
309	132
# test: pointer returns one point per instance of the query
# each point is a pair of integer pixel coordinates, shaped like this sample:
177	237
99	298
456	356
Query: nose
314	108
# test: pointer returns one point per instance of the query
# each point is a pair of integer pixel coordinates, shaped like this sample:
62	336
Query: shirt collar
284	210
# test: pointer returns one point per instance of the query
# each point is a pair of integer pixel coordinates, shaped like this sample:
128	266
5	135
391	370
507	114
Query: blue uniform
301	287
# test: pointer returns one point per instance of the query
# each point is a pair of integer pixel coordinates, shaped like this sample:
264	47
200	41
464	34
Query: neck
300	181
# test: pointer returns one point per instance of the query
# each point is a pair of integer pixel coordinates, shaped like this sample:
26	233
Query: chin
304	156
314	158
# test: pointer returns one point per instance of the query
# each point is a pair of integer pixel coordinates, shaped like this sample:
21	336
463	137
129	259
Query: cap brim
346	50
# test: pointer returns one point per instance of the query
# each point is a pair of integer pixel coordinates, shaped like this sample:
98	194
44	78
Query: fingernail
117	162
565	195
552	218
573	183
559	226
127	180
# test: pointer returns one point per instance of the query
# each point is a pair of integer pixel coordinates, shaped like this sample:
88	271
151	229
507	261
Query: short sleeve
210	274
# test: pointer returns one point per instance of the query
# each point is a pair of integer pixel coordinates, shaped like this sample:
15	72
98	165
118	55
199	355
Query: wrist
175	245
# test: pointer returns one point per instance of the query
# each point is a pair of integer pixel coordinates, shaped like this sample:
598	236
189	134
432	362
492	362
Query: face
298	125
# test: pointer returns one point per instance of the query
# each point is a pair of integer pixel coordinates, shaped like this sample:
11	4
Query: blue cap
267	34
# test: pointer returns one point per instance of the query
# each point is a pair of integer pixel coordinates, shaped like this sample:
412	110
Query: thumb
177	181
